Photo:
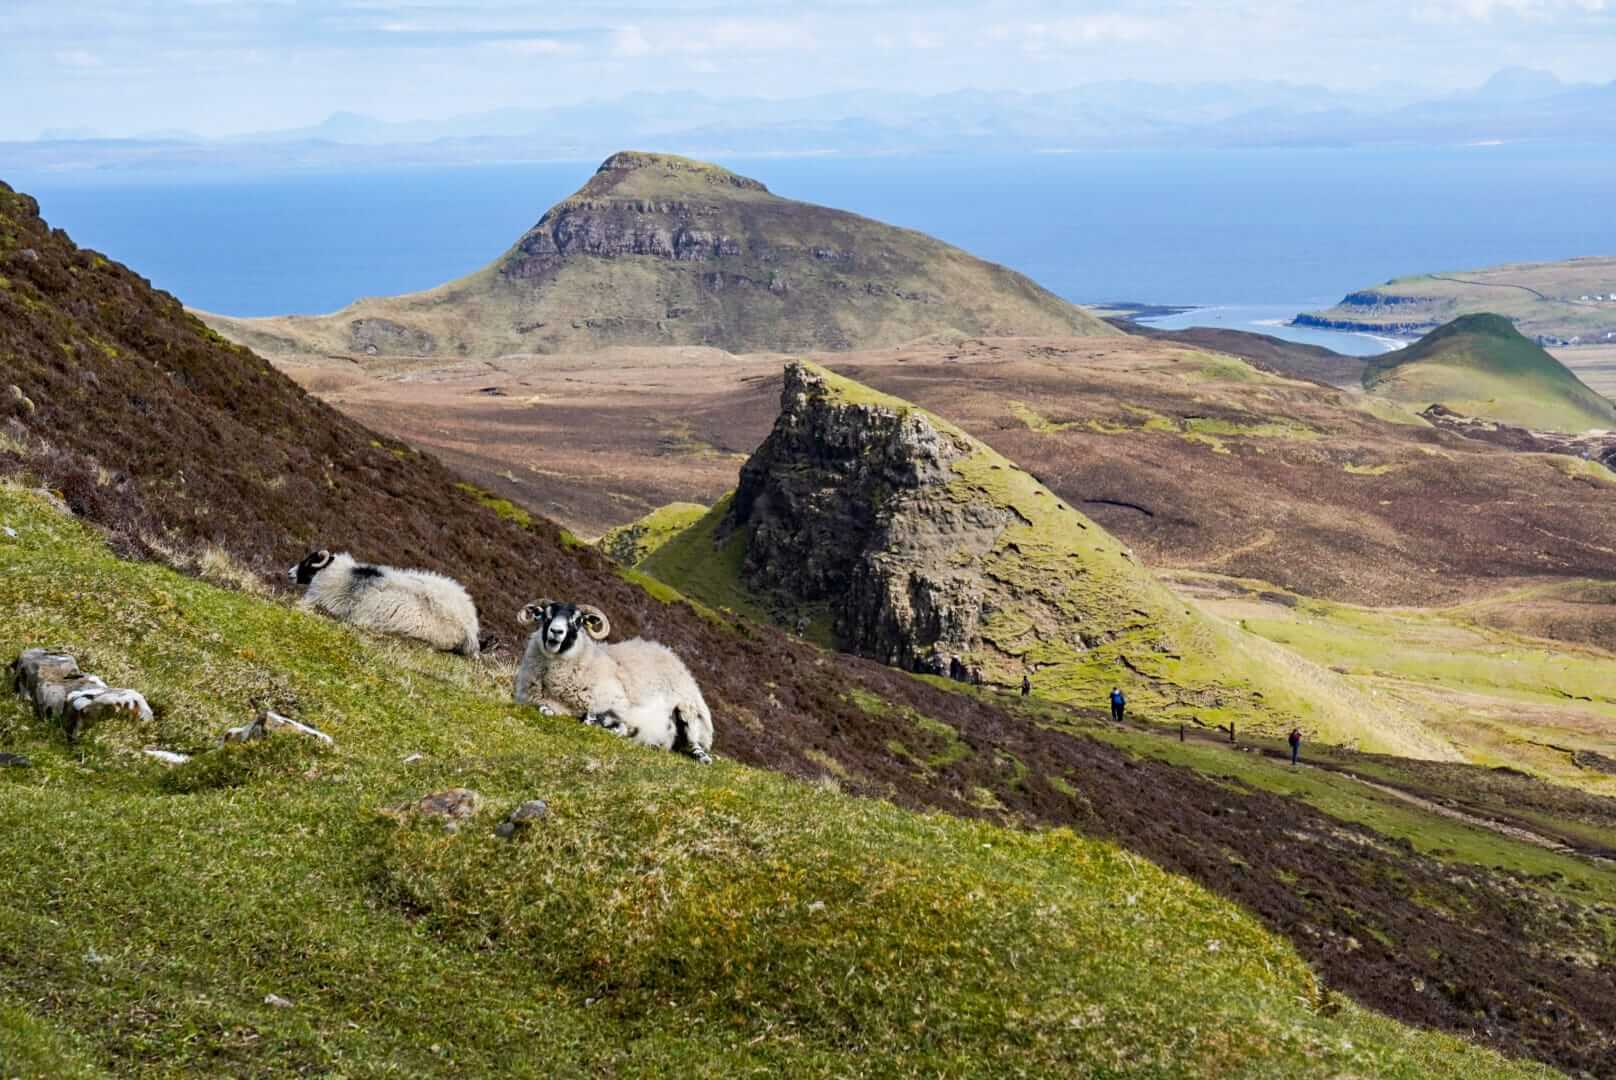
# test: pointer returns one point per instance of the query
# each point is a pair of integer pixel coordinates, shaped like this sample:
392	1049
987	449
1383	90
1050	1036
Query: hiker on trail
1118	702
1026	685
1295	739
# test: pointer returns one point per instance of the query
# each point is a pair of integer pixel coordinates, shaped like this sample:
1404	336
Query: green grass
664	920
692	562
1480	365
1349	800
629	545
503	507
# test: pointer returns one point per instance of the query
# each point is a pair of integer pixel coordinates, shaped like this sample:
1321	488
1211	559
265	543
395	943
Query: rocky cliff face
849	503
908	532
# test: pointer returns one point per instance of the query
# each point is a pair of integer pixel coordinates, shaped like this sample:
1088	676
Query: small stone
454	806
275	1001
532	810
167	757
522	817
14	761
413	758
9	531
35	666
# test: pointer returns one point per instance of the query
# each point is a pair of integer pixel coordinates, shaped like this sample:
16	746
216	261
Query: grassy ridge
1480	365
664	920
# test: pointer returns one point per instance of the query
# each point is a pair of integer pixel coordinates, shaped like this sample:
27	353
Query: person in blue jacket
1117	704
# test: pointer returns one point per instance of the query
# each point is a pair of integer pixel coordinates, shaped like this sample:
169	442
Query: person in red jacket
1295	739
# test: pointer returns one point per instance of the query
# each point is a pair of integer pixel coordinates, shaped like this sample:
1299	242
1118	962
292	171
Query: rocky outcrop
1595	446
851	502
886	518
385	337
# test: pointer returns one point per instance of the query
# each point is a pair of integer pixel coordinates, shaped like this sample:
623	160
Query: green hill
884	530
662	250
663	920
1480	365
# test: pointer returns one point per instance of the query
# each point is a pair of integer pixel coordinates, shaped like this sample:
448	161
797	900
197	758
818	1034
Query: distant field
1593	364
1561	303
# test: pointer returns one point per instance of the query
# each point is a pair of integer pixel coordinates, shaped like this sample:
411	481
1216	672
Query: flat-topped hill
661	250
1556	303
1480	365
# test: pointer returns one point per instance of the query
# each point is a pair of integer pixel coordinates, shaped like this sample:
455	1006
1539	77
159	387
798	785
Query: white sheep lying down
638	689
411	603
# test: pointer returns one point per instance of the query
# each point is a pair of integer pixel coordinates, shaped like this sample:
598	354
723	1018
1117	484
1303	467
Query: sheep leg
683	741
610	721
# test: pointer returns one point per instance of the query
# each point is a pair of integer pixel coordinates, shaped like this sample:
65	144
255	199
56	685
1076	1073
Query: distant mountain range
1515	104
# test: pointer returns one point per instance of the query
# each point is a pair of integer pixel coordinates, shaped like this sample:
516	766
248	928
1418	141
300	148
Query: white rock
276	1001
270	721
274	721
167	757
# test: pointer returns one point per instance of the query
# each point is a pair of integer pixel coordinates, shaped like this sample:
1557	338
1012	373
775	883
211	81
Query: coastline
1271	320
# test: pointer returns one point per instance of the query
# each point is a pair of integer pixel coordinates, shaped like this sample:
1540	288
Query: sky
219	67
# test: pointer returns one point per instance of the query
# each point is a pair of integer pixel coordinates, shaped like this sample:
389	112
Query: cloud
1487	10
1091	29
537	47
731	36
77	58
629	41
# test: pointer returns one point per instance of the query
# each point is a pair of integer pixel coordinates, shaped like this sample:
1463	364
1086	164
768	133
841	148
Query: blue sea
1247	237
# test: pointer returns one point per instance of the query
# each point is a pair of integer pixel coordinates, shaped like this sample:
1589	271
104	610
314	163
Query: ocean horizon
1244	238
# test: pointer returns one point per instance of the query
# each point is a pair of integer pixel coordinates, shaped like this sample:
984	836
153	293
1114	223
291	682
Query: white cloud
1090	29
629	41
77	58
1486	10
536	47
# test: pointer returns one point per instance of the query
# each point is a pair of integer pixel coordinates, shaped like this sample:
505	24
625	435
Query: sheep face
312	564
558	625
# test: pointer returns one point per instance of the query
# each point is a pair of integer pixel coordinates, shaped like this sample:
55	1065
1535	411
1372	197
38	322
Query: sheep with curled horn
416	604
637	689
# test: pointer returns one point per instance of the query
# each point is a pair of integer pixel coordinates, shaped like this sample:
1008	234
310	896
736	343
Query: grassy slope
665	920
1171	659
630	545
1480	365
1502	696
899	284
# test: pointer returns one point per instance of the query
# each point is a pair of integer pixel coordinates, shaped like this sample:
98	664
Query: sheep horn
532	611
596	624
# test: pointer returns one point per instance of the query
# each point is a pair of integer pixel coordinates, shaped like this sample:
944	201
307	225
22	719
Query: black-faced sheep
411	603
638	689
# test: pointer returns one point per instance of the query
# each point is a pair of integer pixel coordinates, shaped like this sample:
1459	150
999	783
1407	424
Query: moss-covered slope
662	250
1480	365
663	920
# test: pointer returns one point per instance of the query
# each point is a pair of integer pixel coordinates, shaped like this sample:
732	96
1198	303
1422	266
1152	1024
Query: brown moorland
168	437
1171	447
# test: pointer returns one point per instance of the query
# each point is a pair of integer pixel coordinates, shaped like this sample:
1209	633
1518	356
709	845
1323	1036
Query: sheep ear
596	624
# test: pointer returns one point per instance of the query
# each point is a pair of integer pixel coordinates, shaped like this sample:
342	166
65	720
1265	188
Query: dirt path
1502	828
